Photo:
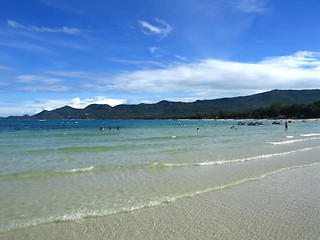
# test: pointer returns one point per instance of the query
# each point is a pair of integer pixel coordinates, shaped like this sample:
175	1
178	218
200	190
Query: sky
78	52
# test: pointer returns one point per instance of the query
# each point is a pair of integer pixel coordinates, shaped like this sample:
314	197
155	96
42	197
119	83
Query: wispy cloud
250	6
162	28
4	83
43	88
153	49
40	104
37	83
26	46
3	67
157	51
67	30
71	74
137	62
181	58
30	79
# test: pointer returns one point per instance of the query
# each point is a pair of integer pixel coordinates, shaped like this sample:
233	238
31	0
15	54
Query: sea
66	170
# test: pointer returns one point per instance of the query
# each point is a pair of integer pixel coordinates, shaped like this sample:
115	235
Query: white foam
292	141
178	164
81	169
310	135
253	179
235	160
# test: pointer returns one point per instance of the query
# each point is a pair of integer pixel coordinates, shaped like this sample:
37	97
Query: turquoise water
67	170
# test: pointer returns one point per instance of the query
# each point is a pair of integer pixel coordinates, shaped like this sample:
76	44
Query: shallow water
68	170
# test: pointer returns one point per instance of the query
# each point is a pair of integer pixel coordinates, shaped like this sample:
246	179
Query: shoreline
174	119
283	205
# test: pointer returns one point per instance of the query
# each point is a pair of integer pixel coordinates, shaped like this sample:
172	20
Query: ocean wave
310	134
27	174
85	213
75	170
147	165
166	138
292	141
80	149
50	219
234	160
10	146
174	151
253	178
45	173
80	170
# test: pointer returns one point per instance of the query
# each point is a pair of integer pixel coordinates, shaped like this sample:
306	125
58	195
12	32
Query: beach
161	179
284	205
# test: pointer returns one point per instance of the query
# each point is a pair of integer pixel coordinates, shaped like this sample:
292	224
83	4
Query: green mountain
197	109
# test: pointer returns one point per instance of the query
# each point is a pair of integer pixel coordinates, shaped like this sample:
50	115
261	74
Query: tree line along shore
276	110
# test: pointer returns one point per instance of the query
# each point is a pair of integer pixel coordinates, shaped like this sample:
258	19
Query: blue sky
77	52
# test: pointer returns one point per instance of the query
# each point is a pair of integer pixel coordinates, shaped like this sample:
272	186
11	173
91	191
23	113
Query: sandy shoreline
284	205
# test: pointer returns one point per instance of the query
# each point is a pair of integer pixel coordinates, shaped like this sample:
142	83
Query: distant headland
271	104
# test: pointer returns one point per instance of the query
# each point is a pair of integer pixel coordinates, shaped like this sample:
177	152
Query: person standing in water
286	125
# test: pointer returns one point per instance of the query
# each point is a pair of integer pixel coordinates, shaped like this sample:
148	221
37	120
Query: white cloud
64	29
162	29
78	103
32	107
209	76
204	79
16	111
301	59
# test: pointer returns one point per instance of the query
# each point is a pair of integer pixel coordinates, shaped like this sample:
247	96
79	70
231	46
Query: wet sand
284	205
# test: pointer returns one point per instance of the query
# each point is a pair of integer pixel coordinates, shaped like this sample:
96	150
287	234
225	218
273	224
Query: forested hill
197	109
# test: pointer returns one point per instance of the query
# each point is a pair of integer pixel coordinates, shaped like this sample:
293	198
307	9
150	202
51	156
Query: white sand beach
283	205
